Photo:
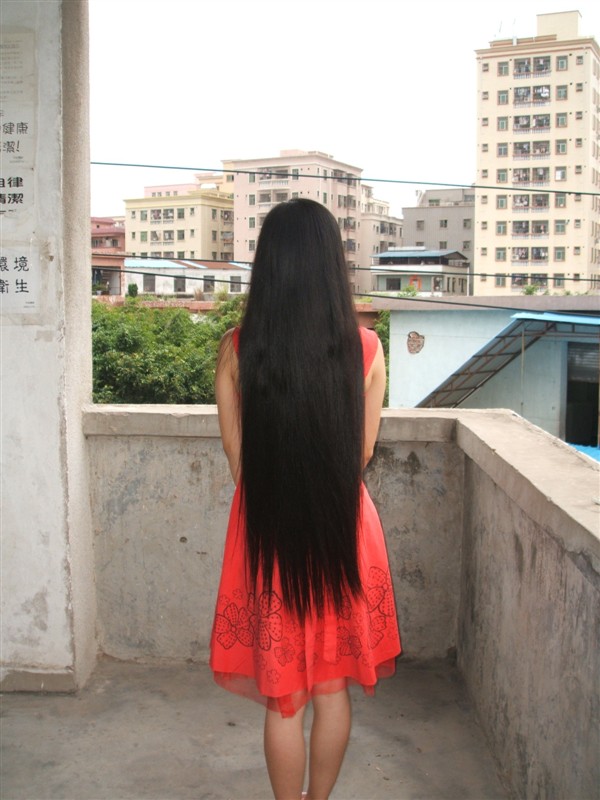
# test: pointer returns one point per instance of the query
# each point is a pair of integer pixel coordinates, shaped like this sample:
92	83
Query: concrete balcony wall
492	528
161	492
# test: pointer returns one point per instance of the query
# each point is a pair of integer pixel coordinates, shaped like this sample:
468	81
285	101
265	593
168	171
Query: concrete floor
146	732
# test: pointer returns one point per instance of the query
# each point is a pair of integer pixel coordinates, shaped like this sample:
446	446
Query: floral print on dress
234	625
270	622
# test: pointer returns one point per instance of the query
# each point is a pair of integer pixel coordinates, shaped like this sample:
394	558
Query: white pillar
48	597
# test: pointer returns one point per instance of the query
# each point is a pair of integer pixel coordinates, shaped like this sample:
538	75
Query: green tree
382	328
146	355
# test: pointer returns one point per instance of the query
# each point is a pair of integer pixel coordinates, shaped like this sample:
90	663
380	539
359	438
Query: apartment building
538	161
185	221
378	232
108	254
443	219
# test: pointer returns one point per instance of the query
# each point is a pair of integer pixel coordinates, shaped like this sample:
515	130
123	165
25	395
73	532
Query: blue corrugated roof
417	254
579	319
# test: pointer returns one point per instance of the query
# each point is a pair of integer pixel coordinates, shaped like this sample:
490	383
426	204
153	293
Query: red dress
261	651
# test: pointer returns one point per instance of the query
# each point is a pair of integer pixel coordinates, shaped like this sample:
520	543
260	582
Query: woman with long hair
305	604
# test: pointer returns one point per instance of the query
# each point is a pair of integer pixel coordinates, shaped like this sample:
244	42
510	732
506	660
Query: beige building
185	221
538	148
261	183
443	219
378	233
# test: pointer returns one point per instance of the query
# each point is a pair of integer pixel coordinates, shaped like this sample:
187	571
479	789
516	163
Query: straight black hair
302	411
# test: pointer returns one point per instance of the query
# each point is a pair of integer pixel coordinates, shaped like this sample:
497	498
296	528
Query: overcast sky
385	85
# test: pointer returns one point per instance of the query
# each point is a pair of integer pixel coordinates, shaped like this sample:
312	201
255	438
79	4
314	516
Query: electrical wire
350	180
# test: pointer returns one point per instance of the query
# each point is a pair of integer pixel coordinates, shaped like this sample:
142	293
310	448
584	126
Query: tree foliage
382	329
150	355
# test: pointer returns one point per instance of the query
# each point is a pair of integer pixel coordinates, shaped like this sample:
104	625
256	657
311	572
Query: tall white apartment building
182	221
260	183
538	151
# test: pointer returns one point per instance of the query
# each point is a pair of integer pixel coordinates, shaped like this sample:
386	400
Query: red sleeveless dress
260	651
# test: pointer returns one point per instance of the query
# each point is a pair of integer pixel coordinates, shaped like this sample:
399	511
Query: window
264	197
502	149
252	245
501	254
579	59
484	148
501	201
213	236
466	245
144	215
420	224
520	254
252	178
181	213
501	175
213	213
192	211
539	279
485	67
503	68
208	283
251	199
562	63
485	95
132	214
579	115
561	120
562	93
578	223
484	226
561	147
180	236
560	173
443	223
500	280
541	149
501	228
252	222
579	87
560	200
168	236
235	284
467	223
539	227
522	66
484	199
168	214
518	280
577	198
503	97
578	169
192	233
576	276
443	245
324	198
295	174
502	123
577	251
560	226
578	142
149	284
143	236
181	254
558	280
485	122
520	228
484	251
559	253
484	173
179	284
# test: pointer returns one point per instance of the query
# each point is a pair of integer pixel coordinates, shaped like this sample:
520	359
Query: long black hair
302	411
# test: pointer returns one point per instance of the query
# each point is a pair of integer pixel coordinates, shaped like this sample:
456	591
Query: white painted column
48	597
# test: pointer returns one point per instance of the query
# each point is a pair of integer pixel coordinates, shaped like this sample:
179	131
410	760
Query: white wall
451	337
48	599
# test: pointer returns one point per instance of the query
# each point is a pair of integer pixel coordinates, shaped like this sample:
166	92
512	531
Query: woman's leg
285	753
328	740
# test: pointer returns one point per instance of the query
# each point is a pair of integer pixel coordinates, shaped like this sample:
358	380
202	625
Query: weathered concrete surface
47	582
528	641
161	493
148	732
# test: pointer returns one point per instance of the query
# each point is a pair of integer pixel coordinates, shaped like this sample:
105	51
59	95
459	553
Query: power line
350	180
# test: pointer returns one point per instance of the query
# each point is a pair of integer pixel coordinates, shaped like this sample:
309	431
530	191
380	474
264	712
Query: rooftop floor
168	732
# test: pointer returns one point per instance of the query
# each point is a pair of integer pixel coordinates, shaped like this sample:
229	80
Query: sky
385	85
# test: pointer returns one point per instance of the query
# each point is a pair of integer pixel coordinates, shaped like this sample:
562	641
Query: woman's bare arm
374	393
228	403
